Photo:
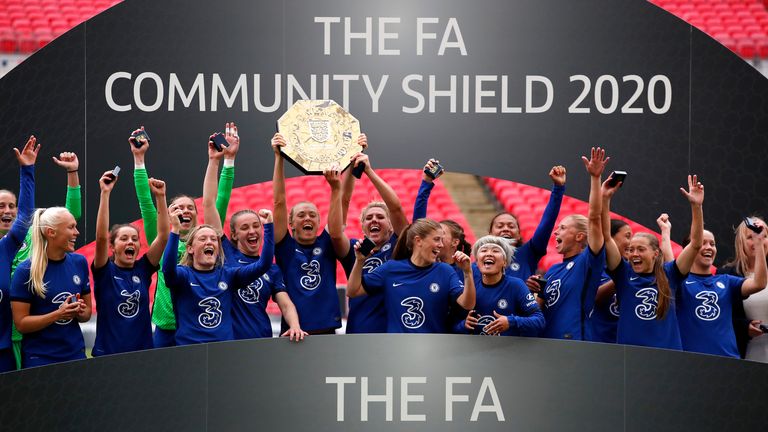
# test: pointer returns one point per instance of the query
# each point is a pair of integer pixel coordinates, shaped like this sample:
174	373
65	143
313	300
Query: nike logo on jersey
633	278
194	284
689	282
396	284
117	277
242	262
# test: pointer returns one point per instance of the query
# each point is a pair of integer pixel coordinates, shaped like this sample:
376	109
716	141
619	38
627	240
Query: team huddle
403	276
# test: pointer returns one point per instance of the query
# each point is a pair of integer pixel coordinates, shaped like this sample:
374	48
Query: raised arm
156	248
143	194
421	203
227	177
211	214
468	297
339	239
695	196
279	206
665	227
101	255
388	195
348	184
27	158
595	167
70	163
612	254
543	231
355	278
758	281
169	266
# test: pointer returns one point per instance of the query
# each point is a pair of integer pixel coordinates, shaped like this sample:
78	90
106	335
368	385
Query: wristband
72	171
229	163
138	166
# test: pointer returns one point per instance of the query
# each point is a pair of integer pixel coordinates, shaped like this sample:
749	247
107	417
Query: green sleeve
73	202
147	207
226	180
23	252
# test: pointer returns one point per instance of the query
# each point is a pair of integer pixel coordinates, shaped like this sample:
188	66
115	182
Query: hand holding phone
750	223
219	141
542	282
366	246
112	175
139	137
436	171
616	177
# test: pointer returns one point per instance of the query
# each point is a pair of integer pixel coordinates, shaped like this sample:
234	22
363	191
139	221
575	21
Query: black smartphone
182	219
219	141
616	177
436	171
542	282
113	175
750	223
358	170
73	298
367	246
137	136
764	328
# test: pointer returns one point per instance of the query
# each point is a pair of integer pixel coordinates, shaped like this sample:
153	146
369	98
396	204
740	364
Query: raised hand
68	161
28	154
333	177
157	187
695	192
596	163
277	142
557	174
430	165
107	181
266	216
663	222
140	151
174	213
233	139
362	141
463	261
213	153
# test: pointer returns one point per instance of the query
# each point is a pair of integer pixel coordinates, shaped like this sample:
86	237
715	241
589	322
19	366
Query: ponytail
42	220
421	228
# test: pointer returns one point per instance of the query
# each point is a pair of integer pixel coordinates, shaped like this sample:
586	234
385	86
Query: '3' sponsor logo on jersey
552	292
484	321
252	292
708	310
413	317
210	317
646	310
130	307
372	264
311	280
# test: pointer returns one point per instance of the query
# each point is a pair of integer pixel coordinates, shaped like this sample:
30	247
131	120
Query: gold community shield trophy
318	135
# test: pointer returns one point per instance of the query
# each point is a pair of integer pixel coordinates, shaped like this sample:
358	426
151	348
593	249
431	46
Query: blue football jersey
367	313
638	299
249	310
417	299
569	295
122	298
62	340
509	297
704	305
310	279
604	319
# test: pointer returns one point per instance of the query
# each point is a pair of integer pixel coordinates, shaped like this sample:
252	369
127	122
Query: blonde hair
42	220
581	223
188	260
743	263
501	242
372	204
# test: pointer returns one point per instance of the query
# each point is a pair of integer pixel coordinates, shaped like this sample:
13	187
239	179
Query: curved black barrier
390	382
534	83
